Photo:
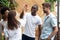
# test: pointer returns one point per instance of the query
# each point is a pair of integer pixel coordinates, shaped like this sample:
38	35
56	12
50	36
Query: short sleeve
22	22
54	21
5	33
39	21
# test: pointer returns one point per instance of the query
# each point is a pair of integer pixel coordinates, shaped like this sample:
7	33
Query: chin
45	12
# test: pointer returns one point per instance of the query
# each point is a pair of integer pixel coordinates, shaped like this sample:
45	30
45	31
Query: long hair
12	21
3	10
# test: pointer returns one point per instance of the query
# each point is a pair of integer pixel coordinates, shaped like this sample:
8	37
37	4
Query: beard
33	13
45	11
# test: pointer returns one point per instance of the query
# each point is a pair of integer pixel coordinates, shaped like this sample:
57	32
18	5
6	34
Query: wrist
48	38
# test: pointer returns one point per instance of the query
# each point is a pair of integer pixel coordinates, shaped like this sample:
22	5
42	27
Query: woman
13	31
4	12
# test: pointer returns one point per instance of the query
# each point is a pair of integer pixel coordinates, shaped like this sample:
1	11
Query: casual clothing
22	22
31	23
4	25
13	34
50	21
1	25
25	37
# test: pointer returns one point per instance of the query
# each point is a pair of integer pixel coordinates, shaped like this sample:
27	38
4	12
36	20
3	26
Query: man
49	28
0	29
32	20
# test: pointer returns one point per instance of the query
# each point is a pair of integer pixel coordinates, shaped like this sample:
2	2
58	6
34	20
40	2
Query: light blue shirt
50	21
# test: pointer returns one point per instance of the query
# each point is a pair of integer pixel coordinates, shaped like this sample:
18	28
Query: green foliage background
52	3
7	3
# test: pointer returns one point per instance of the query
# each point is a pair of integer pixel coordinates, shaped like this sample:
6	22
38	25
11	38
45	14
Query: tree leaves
4	3
8	3
52	3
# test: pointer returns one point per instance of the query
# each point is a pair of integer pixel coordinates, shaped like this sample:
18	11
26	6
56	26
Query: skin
39	31
5	19
33	13
6	15
46	10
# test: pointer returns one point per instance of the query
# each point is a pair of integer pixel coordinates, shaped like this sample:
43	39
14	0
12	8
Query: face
45	9
34	10
6	13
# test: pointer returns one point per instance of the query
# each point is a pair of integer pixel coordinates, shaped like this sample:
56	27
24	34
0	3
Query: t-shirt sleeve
39	21
5	33
54	22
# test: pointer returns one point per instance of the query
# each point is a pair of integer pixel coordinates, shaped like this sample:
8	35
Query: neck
33	14
5	19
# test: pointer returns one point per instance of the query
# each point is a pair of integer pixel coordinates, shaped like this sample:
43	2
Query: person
13	30
49	29
24	12
0	14
0	27
31	20
26	8
4	12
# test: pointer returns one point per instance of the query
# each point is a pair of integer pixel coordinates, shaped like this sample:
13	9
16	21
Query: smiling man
50	28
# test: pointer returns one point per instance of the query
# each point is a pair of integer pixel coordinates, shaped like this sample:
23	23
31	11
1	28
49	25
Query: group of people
12	27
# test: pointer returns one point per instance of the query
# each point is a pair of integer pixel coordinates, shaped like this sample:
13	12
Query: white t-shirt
30	24
3	23
13	34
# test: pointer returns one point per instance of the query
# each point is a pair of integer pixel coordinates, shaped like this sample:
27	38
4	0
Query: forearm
39	32
6	38
53	33
22	14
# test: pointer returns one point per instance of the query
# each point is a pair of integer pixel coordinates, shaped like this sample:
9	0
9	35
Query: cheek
6	14
45	9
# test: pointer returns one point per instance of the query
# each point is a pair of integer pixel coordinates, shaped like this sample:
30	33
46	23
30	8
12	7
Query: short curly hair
3	9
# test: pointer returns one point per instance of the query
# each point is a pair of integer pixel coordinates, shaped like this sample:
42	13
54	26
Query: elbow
56	30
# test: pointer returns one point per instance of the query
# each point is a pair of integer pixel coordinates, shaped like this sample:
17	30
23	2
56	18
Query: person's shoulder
38	16
1	21
52	16
27	13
